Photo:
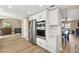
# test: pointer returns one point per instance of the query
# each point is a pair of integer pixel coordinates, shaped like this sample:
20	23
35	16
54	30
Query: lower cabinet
41	42
51	47
51	44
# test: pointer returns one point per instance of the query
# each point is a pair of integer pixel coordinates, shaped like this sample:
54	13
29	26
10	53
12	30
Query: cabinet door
38	41
44	45
41	42
43	15
53	17
51	44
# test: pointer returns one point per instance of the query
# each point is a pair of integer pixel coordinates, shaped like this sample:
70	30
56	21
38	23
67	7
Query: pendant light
66	15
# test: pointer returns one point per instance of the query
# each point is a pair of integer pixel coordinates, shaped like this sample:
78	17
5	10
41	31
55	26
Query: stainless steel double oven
41	29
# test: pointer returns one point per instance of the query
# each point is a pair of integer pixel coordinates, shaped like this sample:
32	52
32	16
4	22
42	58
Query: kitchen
47	26
45	29
41	29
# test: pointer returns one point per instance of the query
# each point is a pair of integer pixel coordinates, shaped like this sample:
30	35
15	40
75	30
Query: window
7	25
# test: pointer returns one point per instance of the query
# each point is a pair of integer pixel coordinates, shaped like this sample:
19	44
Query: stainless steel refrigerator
32	31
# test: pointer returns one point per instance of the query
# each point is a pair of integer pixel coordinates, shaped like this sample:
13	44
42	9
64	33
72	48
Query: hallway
73	46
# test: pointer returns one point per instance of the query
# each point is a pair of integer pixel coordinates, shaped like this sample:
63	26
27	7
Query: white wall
24	26
15	23
72	13
74	24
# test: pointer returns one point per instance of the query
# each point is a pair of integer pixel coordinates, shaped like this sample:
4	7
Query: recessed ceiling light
28	12
9	6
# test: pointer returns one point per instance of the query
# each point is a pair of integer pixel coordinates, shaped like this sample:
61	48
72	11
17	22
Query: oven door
41	33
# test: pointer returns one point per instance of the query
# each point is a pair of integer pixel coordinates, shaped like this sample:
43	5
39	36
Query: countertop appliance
32	31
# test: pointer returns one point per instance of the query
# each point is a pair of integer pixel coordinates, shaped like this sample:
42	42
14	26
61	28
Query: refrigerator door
32	31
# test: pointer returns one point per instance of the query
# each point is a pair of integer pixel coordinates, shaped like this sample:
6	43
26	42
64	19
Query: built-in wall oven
41	29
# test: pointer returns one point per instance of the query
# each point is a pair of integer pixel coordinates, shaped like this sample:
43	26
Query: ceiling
22	11
67	6
19	11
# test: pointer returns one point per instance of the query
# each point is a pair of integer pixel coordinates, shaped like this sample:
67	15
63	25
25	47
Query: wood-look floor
17	44
73	46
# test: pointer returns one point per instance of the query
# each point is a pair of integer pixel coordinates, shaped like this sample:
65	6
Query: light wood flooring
17	44
73	46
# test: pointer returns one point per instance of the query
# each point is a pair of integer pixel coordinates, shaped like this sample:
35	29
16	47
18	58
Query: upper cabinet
42	15
39	16
53	16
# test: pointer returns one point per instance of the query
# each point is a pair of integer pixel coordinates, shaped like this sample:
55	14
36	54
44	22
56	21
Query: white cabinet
41	42
42	15
51	44
53	30
39	16
38	41
53	17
